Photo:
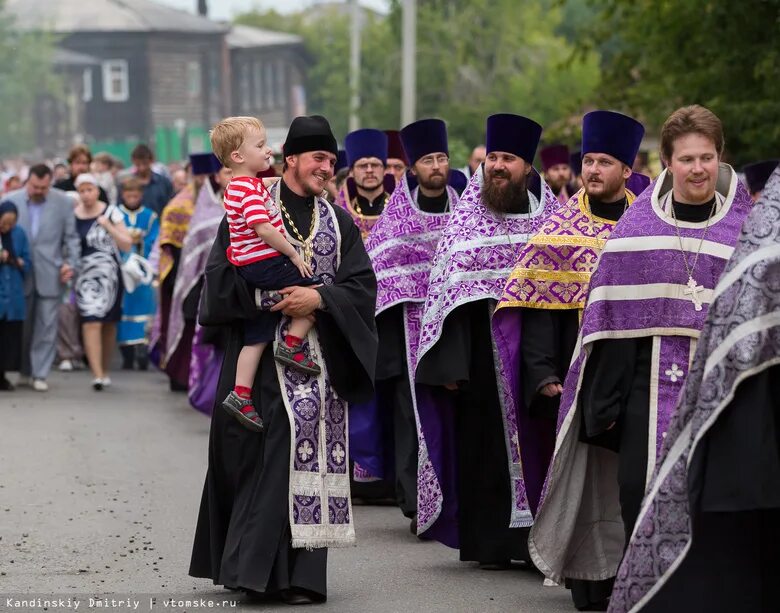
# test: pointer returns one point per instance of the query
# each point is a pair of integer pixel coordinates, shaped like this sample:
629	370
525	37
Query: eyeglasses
368	166
429	160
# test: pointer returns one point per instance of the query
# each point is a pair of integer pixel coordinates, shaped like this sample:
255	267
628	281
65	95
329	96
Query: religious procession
265	345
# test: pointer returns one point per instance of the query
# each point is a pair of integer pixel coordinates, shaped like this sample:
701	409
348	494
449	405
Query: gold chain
359	211
308	247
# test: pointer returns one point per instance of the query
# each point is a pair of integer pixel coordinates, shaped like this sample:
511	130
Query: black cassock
464	354
395	393
548	340
734	487
242	539
616	390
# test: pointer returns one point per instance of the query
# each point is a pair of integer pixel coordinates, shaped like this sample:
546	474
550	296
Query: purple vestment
638	290
202	231
740	339
401	246
346	199
205	360
552	272
320	507
474	258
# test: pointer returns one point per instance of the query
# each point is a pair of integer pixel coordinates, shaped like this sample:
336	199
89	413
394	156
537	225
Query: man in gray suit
46	215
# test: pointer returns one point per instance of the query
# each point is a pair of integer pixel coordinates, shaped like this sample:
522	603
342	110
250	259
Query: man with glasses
429	167
367	190
402	244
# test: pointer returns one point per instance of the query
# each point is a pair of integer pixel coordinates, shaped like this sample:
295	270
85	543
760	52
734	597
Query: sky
226	9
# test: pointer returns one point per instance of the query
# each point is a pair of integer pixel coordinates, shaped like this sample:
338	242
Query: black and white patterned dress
99	283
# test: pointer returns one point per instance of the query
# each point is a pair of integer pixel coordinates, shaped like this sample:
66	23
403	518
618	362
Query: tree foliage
25	73
657	56
474	58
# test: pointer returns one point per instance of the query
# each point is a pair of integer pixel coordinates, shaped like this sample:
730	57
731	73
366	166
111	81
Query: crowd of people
568	368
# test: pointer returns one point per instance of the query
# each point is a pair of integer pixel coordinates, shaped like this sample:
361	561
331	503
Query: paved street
99	494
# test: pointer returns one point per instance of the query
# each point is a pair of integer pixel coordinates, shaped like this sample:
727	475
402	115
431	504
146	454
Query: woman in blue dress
99	284
14	265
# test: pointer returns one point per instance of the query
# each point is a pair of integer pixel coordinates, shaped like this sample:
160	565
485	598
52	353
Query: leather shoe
296	597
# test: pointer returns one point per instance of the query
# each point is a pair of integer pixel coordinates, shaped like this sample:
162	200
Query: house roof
244	37
66	57
69	16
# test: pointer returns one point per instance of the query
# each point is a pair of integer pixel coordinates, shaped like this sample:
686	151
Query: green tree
658	56
474	58
25	73
326	38
478	57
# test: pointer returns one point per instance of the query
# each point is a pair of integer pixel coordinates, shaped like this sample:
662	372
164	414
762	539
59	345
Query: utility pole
409	63
354	66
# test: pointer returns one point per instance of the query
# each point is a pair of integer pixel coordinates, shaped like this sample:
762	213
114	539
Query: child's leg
300	327
248	362
291	351
128	356
239	401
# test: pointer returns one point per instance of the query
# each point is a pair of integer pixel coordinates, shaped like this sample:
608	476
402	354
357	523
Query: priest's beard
437	181
556	184
309	183
512	197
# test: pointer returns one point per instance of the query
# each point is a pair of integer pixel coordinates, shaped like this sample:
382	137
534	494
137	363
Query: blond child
263	257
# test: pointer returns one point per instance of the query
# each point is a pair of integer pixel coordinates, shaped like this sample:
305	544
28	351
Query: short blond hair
229	134
132	184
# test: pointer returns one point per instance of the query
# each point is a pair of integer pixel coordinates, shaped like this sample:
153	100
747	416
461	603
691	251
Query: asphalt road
99	494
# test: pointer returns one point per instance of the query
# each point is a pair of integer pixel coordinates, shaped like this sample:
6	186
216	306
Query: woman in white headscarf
99	284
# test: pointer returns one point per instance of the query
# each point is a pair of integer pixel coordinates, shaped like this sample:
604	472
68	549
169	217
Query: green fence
170	144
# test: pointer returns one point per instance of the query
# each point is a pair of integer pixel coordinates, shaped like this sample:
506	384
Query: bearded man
367	190
556	162
537	320
465	493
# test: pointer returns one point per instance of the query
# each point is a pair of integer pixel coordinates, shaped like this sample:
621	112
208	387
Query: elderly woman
99	284
14	265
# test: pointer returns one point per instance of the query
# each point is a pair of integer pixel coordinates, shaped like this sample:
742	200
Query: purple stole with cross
320	507
639	289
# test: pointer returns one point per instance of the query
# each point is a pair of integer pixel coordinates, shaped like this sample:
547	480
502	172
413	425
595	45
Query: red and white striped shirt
246	203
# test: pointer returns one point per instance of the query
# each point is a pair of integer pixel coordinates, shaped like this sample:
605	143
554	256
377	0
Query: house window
193	79
86	86
116	86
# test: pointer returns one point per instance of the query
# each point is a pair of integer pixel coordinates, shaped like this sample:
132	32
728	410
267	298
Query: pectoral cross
693	291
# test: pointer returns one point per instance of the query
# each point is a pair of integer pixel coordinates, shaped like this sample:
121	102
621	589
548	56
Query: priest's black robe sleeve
606	383
547	343
226	296
737	465
391	360
347	326
449	360
615	387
